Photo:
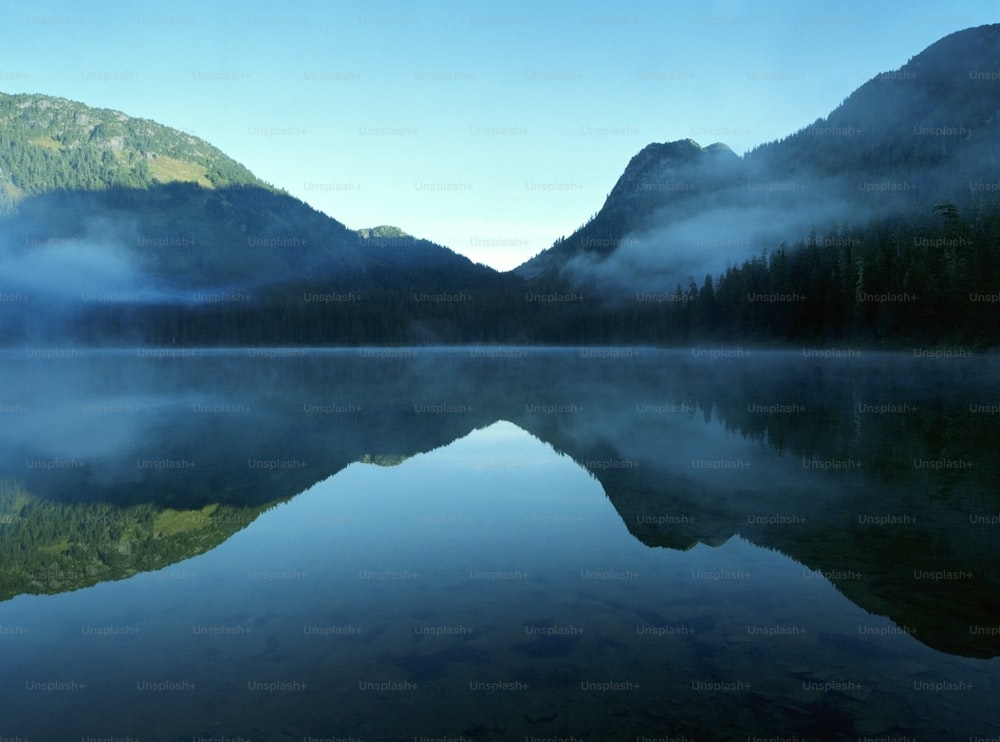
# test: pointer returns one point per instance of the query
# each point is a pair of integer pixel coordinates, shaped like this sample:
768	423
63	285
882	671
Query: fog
709	440
696	237
669	493
58	270
99	266
92	268
894	150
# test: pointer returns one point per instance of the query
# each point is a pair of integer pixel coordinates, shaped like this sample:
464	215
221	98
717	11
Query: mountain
940	109
390	248
678	174
110	221
903	142
49	144
877	225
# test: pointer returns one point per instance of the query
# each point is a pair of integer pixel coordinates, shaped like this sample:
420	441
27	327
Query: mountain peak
943	100
660	174
969	42
664	150
916	135
658	163
381	232
73	146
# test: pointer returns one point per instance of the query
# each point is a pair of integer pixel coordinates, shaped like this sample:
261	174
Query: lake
499	543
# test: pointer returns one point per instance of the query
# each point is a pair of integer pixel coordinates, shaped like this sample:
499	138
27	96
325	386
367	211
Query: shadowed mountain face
107	218
903	142
178	262
181	242
876	472
680	176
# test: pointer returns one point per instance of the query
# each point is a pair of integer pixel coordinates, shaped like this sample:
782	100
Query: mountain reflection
876	473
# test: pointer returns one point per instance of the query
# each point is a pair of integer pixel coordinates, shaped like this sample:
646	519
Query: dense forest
896	283
50	143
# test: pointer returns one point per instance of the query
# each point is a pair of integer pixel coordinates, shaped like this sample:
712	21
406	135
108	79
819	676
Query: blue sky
492	128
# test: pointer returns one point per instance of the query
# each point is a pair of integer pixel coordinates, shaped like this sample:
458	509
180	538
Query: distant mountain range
120	230
904	141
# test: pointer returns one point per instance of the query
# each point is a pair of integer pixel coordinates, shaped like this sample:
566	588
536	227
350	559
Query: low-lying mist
698	237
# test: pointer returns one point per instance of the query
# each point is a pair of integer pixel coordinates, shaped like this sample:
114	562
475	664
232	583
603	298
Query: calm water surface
482	544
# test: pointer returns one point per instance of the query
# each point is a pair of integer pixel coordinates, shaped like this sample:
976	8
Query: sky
490	127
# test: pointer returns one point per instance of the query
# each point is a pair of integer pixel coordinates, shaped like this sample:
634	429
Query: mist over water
493	541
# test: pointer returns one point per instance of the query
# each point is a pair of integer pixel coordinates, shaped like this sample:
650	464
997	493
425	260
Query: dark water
482	544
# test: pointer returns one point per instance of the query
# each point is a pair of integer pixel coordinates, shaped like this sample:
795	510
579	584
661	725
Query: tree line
898	282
